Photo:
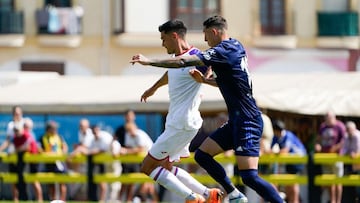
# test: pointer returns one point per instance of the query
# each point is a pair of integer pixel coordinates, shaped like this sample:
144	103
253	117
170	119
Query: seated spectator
289	143
52	142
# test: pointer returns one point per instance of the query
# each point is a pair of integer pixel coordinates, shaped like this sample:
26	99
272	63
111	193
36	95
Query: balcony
59	27
11	28
338	30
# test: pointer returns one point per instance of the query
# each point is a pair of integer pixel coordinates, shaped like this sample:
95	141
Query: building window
119	25
43	66
59	17
194	12
272	17
58	3
11	20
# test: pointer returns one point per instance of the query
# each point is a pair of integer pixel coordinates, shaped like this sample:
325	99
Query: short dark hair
51	125
278	125
13	109
215	21
174	26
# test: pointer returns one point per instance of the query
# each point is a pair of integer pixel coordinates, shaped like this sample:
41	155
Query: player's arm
149	92
207	78
174	62
5	144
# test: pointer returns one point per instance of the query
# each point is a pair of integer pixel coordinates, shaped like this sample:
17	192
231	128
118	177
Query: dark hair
173	26
51	125
13	109
215	21
278	125
97	125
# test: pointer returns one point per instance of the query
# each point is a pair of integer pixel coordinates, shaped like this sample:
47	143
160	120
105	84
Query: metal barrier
311	178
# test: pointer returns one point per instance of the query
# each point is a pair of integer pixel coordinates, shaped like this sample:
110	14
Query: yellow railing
283	179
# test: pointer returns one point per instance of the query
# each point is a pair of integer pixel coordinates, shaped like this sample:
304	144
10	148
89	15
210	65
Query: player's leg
158	164
248	172
204	157
155	170
212	195
247	133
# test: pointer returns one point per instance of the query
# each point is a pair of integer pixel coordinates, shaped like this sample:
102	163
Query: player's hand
196	75
147	94
139	58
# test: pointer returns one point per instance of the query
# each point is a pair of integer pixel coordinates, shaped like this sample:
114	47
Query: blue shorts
242	135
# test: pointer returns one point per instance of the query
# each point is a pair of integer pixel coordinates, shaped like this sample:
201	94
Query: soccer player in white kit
182	122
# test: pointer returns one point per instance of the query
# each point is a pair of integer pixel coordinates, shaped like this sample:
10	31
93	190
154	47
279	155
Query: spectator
17	118
129	117
136	141
351	148
289	143
32	147
85	137
116	169
102	143
330	140
53	143
85	134
24	142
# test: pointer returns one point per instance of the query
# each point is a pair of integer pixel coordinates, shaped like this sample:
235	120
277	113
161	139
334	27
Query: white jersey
142	139
185	98
87	138
10	134
103	142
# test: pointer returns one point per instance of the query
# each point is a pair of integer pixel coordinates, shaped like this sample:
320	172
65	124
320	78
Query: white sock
170	182
189	181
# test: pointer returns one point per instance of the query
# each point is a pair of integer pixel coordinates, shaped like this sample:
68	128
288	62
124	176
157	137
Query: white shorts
172	144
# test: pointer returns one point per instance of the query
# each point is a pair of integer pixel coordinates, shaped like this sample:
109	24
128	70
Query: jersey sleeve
212	56
202	69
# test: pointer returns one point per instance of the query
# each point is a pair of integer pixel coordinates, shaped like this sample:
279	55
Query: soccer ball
57	201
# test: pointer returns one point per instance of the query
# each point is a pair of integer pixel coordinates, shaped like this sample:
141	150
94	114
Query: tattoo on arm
178	62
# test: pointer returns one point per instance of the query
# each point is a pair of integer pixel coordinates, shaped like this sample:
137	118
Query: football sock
170	182
214	169
188	180
264	189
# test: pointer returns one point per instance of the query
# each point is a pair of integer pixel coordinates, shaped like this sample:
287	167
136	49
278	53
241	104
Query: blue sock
214	169
264	189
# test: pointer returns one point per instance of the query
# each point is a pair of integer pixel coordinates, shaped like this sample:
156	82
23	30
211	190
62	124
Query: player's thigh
247	162
173	144
219	141
211	147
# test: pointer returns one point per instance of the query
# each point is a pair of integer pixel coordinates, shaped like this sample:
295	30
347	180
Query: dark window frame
121	15
43	66
204	13
271	13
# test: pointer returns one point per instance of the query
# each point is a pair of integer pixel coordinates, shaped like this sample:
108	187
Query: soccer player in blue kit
242	132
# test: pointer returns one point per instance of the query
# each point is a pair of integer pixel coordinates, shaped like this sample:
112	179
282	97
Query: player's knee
201	157
147	167
248	176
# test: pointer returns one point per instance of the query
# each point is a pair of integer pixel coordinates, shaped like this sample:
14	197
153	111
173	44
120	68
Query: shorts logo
239	149
163	152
